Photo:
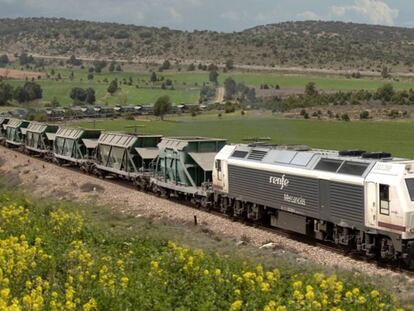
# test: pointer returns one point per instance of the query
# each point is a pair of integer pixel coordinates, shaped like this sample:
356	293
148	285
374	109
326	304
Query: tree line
22	93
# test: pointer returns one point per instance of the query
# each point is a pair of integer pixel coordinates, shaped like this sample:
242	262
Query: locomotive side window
384	199
218	165
218	168
353	168
328	165
410	186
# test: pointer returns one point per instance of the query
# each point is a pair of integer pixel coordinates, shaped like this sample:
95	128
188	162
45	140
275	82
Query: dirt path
48	180
159	61
220	95
19	74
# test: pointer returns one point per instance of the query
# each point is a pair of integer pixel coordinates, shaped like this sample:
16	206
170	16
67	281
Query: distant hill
329	45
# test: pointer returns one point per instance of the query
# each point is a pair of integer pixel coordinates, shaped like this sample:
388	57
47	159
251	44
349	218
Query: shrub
364	115
345	117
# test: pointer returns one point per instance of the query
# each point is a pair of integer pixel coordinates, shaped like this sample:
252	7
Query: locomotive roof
306	158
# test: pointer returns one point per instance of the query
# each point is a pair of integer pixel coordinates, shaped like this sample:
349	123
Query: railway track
323	245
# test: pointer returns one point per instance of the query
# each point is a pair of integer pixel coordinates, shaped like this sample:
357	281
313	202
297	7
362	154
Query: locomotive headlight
411	230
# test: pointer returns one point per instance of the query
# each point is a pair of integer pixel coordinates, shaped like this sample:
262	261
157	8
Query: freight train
363	201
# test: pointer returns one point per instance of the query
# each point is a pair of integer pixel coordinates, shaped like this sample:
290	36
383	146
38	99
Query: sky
219	15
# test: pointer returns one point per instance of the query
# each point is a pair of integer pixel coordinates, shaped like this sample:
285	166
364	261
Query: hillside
330	45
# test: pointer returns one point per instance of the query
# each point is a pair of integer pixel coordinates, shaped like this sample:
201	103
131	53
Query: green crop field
127	95
188	84
395	137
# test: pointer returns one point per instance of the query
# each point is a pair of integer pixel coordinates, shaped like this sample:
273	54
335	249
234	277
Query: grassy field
187	84
395	137
127	94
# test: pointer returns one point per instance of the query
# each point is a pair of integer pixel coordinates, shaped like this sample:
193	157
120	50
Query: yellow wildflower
236	306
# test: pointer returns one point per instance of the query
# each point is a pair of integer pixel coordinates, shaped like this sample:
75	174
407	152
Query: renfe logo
283	182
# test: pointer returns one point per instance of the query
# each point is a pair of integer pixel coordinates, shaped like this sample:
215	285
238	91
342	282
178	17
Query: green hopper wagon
15	132
185	164
40	137
3	123
75	146
126	156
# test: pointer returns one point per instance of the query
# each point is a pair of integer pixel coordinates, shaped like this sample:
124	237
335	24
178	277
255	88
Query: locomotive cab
389	204
220	170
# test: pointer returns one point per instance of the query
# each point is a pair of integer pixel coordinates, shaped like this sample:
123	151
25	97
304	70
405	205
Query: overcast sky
222	15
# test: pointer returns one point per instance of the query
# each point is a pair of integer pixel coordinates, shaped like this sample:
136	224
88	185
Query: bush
345	117
364	115
229	108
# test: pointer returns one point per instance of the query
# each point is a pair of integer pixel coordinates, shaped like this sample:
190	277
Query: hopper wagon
3	127
39	138
15	132
75	146
126	156
184	167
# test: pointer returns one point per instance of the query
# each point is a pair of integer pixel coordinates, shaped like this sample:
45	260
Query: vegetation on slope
306	44
54	258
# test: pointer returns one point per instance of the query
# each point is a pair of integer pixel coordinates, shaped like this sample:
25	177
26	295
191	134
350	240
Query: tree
153	77
111	67
4	60
99	65
78	94
90	96
118	67
251	95
229	64
25	59
165	65
30	91
385	73
310	89
213	76
345	117
230	88
90	76
162	106
364	115
6	93
386	92
74	61
113	87
191	67
54	103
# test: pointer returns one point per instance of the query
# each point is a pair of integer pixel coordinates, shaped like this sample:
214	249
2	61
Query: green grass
127	94
395	137
187	84
324	82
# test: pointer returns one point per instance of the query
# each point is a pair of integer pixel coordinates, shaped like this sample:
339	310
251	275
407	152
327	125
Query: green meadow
395	137
187	85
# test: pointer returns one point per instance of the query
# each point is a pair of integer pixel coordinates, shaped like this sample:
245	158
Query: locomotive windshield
410	187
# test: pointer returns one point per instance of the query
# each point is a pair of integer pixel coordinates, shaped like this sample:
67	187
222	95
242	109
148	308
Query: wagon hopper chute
185	165
40	137
16	131
127	156
75	146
